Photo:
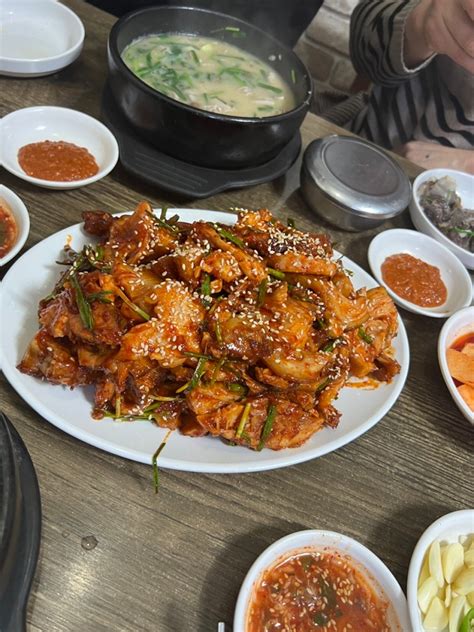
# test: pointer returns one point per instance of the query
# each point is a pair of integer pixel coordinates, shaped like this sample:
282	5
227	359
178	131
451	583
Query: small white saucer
460	323
37	37
22	219
381	579
36	124
448	528
453	273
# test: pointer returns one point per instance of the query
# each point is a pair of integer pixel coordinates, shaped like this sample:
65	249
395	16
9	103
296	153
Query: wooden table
175	562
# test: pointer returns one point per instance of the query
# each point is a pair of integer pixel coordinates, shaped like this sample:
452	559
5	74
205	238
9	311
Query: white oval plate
32	277
448	529
36	124
458	325
379	576
453	273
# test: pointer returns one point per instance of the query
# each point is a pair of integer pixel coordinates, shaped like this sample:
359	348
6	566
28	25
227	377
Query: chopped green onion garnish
293	75
216	370
330	346
262	292
218	332
267	426
243	420
195	57
206	289
229	236
85	310
278	274
365	336
267	86
235	387
154	460
463	231
132	306
322	386
164	398
194	381
191	354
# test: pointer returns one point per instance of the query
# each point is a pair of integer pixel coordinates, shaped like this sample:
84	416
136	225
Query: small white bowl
448	528
36	124
380	578
453	273
459	324
22	219
37	37
465	190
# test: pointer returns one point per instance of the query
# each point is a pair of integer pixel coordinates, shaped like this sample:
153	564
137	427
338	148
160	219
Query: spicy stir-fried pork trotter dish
245	332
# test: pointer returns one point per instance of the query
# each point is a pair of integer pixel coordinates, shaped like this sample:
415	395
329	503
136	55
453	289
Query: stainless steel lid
358	175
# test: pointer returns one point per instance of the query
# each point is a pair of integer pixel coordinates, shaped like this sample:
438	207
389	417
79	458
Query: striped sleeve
376	41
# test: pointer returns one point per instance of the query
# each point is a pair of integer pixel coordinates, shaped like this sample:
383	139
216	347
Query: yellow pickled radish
436	568
453	561
470	598
426	593
456	613
436	618
464	582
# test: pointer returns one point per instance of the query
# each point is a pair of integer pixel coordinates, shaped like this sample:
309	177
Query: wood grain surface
174	562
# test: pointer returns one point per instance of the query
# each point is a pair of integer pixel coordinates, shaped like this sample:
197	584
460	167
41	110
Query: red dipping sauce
8	229
315	591
57	161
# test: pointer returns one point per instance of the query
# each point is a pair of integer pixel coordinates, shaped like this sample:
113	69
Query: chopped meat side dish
245	332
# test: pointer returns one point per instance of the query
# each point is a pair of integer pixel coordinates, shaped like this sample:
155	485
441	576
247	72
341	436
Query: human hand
434	156
439	26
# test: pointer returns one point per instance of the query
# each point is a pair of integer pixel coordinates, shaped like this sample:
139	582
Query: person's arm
377	40
437	26
434	156
391	41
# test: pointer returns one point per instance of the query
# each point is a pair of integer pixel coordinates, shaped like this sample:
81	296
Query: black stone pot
196	136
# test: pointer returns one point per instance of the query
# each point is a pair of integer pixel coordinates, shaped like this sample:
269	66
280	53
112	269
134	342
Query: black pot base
148	163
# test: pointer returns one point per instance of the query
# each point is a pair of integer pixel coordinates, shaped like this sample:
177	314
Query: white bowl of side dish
21	218
460	324
37	37
464	188
50	123
447	529
453	274
376	575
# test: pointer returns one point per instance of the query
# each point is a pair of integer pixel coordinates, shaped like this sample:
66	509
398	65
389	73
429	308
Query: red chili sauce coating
57	160
8	229
316	592
462	341
414	280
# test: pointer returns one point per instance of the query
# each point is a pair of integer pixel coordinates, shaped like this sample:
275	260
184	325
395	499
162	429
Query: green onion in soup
209	74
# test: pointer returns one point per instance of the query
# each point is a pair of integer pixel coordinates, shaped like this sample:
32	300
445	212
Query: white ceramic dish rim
225	466
461	271
378	574
434	531
54	184
443	345
51	58
19	211
436	173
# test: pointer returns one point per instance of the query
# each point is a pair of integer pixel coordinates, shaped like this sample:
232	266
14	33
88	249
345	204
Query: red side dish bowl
314	580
